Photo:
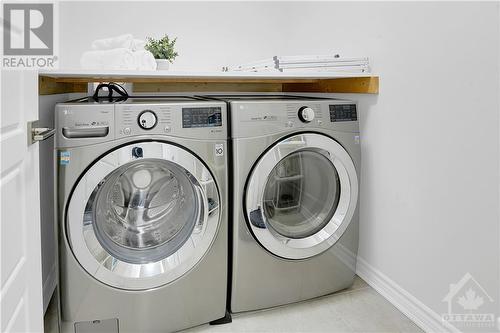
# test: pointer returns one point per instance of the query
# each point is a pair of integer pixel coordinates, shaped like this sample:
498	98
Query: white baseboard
419	313
49	285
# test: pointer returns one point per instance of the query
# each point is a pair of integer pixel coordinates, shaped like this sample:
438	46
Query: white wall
210	35
430	139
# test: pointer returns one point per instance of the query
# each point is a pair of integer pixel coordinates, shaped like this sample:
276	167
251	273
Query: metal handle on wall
36	134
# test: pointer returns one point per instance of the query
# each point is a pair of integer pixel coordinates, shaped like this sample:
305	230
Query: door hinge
36	133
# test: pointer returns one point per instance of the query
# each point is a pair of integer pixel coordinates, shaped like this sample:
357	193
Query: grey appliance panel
261	97
83	124
260	118
170	307
257	276
133	100
97	326
169	120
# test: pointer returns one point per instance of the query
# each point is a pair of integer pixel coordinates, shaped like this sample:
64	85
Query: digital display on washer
343	112
201	117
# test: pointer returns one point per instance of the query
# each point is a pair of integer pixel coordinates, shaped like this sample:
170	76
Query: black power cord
111	87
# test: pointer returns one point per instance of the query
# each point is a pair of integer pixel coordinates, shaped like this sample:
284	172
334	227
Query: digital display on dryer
343	112
201	117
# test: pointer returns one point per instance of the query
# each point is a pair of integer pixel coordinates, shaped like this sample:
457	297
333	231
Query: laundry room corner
235	166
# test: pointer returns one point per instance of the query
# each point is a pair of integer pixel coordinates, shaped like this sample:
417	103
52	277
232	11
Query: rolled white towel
144	60
108	59
125	41
138	44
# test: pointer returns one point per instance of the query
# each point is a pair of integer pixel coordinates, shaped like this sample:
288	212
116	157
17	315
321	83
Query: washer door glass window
139	223
301	196
146	210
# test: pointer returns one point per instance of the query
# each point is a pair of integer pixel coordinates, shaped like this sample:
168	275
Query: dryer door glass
145	210
301	194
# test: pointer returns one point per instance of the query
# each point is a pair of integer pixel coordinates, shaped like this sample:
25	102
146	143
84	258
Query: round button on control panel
147	119
306	114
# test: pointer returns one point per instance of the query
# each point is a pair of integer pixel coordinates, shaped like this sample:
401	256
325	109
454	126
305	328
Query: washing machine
295	184
142	194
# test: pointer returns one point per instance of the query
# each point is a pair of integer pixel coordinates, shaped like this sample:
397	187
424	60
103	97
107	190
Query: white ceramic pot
162	64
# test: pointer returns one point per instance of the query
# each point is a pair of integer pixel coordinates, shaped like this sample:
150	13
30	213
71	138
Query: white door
21	273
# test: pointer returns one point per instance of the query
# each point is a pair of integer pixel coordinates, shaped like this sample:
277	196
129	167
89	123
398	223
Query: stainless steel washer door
301	196
141	222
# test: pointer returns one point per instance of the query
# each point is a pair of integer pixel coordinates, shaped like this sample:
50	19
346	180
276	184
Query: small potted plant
163	50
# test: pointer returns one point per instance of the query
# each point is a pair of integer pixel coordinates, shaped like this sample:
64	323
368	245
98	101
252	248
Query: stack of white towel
118	53
333	64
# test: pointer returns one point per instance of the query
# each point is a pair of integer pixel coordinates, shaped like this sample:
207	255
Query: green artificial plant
163	48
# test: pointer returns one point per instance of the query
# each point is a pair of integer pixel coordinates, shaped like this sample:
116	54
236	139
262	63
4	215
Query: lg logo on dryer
264	118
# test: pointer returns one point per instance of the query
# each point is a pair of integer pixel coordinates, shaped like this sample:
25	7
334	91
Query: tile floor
357	309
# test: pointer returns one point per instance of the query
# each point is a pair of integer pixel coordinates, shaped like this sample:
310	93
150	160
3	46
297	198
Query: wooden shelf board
207	86
363	85
49	86
52	82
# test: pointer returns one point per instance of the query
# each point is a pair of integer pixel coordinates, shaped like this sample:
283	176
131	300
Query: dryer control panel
253	118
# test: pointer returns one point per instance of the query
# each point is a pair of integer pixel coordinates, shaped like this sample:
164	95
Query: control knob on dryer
306	114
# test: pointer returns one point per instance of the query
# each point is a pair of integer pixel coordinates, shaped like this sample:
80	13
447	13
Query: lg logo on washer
28	35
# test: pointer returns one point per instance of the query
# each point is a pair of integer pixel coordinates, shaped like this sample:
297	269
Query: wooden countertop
59	81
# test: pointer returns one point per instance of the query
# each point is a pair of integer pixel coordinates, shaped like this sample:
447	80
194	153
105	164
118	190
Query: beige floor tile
365	310
293	318
356	309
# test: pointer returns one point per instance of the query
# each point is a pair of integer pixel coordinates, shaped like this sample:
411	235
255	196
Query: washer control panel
84	121
147	119
203	119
